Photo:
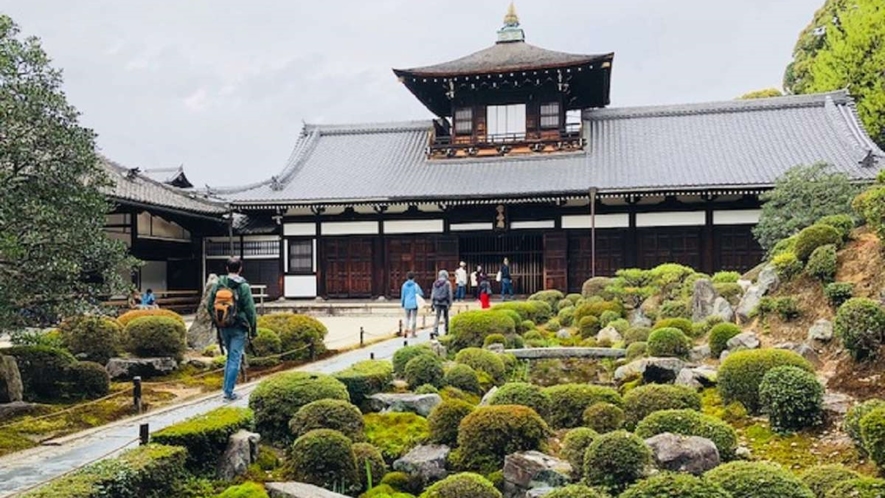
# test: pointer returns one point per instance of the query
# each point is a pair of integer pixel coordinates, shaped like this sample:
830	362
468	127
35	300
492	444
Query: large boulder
298	490
742	341
533	469
749	303
702	300
699	353
609	334
822	331
202	332
241	452
422	404
696	378
539	492
803	350
425	462
677	453
127	368
654	370
637	318
10	380
19	408
768	279
686	378
722	308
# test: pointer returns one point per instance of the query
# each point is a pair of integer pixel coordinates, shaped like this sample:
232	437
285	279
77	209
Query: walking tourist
474	283
441	299
480	277
506	281
409	295
461	282
148	300
485	292
232	309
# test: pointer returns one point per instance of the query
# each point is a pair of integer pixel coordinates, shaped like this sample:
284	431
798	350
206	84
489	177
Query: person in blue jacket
409	301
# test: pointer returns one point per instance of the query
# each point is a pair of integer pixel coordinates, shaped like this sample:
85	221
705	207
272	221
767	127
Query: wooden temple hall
523	158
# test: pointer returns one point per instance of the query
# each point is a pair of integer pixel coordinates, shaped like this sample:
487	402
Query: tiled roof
715	145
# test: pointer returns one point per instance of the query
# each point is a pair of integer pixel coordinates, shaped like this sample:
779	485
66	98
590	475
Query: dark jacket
442	290
247	315
505	272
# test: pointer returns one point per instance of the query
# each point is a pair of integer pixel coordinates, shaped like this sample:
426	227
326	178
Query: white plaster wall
300	229
295	286
349	228
413	226
527	225
582	221
671	219
740	217
468	227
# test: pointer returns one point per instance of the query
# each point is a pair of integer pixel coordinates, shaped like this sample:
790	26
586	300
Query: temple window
550	115
300	256
506	122
464	121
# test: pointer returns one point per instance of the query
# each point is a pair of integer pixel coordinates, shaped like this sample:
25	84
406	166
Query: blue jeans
234	343
460	292
506	288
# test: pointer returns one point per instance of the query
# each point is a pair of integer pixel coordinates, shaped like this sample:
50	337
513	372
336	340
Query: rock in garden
742	341
10	380
722	308
686	378
822	331
496	348
743	453
202	333
745	284
438	349
702	300
539	492
126	368
803	350
699	353
629	371
748	303
638	319
609	334
676	453
241	452
427	462
563	334
422	404
836	405
705	375
200	363
17	408
533	469
487	397
298	490
661	370
768	279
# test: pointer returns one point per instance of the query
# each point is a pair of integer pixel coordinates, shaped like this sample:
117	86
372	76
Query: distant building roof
169	176
720	145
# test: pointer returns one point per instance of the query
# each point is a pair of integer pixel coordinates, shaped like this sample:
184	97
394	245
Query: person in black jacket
441	298
506	281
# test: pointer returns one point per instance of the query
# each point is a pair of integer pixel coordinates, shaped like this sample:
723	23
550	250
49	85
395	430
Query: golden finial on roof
511	19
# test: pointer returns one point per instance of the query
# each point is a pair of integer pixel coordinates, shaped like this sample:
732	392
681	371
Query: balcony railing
444	145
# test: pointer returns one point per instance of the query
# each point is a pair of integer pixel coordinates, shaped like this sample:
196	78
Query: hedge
490	433
425	369
813	237
604	417
406	353
365	378
668	342
719	337
741	373
156	336
332	414
525	394
675	485
445	419
643	400
127	317
851	423
469	329
43	370
568	402
616	460
860	324
821	479
206	436
574	446
462	485
758	480
792	397
688	422
93	338
483	360
297	332
324	458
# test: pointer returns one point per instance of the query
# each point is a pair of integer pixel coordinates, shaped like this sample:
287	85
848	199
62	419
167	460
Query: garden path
23	470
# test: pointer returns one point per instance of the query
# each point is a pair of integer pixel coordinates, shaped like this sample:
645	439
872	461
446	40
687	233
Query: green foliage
575	444
494	339
786	307
636	334
469	329
450	393
396	433
838	292
822	263
568	402
594	287
719	336
860	324
156	336
682	324
483	360
741	373
131	315
425	369
245	490
525	394
574	491
445	419
667	342
427	389
566	316
551	297
607	317
787	265
757	480
324	458
871	206
536	311
821	479
864	487
726	277
604	417
365	378
851	423
280	396
332	414
43	370
792	397
406	353
88	380
370	464
762	94
96	338
675	309
597	308
205	436
50	339
616	460
463	377
637	350
643	400
513	315
842	222
672	484
385	491
813	237
688	422
267	343
730	291
872	432
800	197
588	326
296	332
489	433
462	485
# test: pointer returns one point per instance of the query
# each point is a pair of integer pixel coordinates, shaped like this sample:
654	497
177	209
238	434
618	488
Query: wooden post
405	343
362	337
312	352
400	326
136	394
144	434
592	231
371	356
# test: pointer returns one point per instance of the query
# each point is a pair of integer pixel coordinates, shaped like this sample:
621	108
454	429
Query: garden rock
836	405
661	370
496	348
421	404
745	284
609	334
533	469
200	363
705	375
438	349
702	300
768	279
722	308
10	380
686	378
742	341
822	331
563	334
637	318
427	462
629	371
803	350
724	355
699	353
202	333
539	492
743	453
126	368
487	397
748	303
676	453
17	408
298	490
241	452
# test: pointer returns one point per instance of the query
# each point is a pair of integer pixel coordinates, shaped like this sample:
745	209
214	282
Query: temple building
523	158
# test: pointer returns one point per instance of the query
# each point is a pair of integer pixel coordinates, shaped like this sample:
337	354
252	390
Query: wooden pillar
380	264
708	264
592	232
632	250
321	266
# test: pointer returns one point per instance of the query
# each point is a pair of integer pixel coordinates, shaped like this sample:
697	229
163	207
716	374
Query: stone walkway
23	470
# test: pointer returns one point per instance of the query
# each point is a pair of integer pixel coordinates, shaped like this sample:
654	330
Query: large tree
54	256
844	47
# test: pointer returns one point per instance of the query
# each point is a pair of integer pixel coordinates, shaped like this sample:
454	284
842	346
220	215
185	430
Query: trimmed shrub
564	303
574	491
463	377
494	339
516	317
672	484
427	389
445	419
719	337
365	378
813	237
553	325
822	263
675	308
782	246
43	370
280	396
368	462
597	308
620	324
616	460
643	400
741	373
469	329
406	353
88	380
245	490
668	342
205	436
860	324
425	369
483	360
604	417
870	204
636	334
575	444
568	402
637	350
523	327
450	393
792	397
594	286
93	338
525	394
462	485
838	292
489	433
872	432
683	324
324	458
267	343
396	433
607	317
536	311
687	422
851	423
129	316
726	277
588	326
551	297
514	341
730	291
864	487
574	298
297	332
757	480
332	414
566	316
153	336
821	479
787	265
843	223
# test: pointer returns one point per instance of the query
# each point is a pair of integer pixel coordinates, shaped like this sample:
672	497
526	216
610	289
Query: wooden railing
182	301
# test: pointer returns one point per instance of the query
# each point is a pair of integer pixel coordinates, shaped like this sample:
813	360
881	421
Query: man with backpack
232	309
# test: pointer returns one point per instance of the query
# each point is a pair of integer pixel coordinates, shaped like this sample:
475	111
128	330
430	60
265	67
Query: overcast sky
223	86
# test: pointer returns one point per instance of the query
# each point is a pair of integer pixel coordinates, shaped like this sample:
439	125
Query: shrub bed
668	342
127	317
205	436
643	400
851	423
402	356
86	379
757	480
425	369
489	433
324	458
156	336
445	419
296	332
574	491
604	417
616	460
691	423
525	394
574	446
469	329
332	414
675	485
742	372
462	485
813	237
369	462
483	360
792	397
719	337
822	263
395	433
821	479
568	402
860	324
365	378
43	370
464	378
93	338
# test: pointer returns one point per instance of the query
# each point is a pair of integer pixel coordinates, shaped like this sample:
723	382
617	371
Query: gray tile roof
715	145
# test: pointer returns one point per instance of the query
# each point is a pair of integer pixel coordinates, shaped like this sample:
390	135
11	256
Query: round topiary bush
462	485
822	264
298	334
588	326
525	394
483	360
792	397
368	461
636	334
607	317
400	481
643	400
864	487
574	491
690	423
93	338
637	350
469	329
838	292
43	371
604	417
821	479
616	460
550	296
568	402
575	444
489	433
597	309
278	397
332	414
324	458
406	353
245	490
787	265
675	485
464	378
267	343
566	316
427	389
813	237
524	327
851	423
668	342
88	380
445	419
156	336
494	339
860	324
872	433
127	317
683	324
719	336
757	480
841	222
425	369
741	373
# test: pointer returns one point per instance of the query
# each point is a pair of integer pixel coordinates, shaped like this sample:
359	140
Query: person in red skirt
485	292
